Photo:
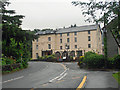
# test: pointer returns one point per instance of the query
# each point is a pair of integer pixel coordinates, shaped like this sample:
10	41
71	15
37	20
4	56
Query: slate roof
70	29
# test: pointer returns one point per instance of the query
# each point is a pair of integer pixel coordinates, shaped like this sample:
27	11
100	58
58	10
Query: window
49	38
37	40
75	46
88	32
75	39
36	46
60	34
67	34
49	46
60	47
89	38
89	45
36	55
68	40
60	40
75	33
68	47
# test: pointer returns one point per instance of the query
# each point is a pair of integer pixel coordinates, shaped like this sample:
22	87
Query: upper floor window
68	47
75	33
68	40
75	39
36	46
49	46
75	46
49	38
89	38
60	40
89	45
60	34
88	32
67	34
60	47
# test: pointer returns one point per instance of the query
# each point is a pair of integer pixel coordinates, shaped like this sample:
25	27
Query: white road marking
62	76
13	79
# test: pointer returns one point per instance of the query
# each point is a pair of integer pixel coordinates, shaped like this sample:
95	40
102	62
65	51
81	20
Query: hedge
93	60
11	67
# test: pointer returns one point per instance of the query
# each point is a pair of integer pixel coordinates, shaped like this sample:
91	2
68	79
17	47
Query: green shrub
80	62
93	60
88	54
117	61
51	58
25	62
110	63
21	66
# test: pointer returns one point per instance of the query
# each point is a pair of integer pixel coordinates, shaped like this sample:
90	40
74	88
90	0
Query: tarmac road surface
66	75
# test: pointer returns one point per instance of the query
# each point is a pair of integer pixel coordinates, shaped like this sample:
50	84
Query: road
57	75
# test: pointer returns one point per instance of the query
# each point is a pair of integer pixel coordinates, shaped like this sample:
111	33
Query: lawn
117	76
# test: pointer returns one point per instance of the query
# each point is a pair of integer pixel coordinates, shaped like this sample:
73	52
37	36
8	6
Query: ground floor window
37	55
49	52
79	53
72	53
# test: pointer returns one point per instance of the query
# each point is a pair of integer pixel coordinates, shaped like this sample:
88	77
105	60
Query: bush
80	61
110	63
95	61
25	62
51	58
114	62
91	60
117	61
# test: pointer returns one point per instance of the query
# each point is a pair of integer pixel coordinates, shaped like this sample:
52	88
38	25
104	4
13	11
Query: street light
66	46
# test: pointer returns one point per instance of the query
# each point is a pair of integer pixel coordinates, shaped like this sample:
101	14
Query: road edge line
82	83
63	66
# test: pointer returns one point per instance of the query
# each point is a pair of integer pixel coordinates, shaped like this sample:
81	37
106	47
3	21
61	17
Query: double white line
62	75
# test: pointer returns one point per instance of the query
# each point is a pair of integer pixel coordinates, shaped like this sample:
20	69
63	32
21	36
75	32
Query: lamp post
78	52
66	46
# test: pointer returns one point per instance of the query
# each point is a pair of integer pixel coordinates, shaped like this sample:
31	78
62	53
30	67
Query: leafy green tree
95	10
15	41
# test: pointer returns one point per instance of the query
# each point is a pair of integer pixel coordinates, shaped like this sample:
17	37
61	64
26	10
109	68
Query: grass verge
117	77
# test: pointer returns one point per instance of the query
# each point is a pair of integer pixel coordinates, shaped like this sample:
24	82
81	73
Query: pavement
66	75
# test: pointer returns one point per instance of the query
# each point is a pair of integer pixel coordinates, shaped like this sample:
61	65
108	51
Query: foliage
110	63
80	61
94	60
91	60
15	41
117	77
92	8
114	62
117	61
49	58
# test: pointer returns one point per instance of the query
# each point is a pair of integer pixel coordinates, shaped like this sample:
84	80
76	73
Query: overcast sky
41	14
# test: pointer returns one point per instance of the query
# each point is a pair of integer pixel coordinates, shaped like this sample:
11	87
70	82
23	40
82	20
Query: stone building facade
72	41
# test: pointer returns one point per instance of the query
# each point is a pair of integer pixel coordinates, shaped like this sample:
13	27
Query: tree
95	10
15	41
